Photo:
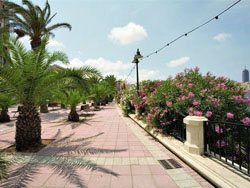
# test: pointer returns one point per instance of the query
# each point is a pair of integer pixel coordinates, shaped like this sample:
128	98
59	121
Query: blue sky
106	34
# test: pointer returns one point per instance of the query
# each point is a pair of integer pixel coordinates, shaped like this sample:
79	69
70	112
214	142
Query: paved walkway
106	150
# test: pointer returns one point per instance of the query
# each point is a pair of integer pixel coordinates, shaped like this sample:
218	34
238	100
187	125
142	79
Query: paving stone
187	183
91	152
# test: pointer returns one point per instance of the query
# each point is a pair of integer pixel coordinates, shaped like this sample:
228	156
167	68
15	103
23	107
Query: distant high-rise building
245	76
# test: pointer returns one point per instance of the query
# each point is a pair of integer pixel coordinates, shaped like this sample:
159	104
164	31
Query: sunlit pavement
105	150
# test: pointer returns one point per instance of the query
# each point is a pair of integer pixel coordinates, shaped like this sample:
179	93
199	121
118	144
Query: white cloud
101	64
221	37
117	68
52	43
26	41
55	43
128	34
178	62
145	74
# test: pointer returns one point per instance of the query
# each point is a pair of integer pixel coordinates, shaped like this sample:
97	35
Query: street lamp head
138	54
135	60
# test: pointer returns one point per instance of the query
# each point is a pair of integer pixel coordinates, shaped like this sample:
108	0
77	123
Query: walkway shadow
65	166
87	115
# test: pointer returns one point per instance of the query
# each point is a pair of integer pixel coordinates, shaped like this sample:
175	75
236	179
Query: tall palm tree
27	76
30	20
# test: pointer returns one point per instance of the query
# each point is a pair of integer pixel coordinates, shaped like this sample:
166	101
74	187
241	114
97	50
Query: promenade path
106	150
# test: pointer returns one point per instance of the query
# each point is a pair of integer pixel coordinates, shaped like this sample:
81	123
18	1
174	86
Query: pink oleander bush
164	104
161	103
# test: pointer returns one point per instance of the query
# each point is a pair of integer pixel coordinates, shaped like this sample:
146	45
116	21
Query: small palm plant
98	93
5	102
28	77
72	98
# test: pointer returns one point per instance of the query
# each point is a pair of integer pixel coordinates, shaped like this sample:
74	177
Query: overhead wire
185	34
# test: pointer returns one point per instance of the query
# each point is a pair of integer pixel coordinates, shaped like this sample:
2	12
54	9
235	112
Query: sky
106	34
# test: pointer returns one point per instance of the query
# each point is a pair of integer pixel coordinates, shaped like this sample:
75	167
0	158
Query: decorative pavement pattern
106	150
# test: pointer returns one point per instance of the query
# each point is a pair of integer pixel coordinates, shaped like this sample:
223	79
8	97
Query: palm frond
59	25
57	56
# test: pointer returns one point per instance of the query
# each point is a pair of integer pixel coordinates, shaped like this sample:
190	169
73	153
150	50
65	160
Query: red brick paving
105	135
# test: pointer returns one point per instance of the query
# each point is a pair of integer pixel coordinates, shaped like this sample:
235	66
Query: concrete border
215	171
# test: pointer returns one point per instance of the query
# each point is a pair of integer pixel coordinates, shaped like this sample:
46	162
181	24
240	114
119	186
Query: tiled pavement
106	150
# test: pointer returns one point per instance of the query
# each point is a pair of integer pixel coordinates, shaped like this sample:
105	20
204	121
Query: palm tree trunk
73	115
35	42
63	106
28	128
44	108
4	117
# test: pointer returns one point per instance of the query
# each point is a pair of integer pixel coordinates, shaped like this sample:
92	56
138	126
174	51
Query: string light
192	30
185	34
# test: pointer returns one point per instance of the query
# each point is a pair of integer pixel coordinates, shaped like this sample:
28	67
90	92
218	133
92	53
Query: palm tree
98	93
5	102
27	76
30	20
72	98
110	84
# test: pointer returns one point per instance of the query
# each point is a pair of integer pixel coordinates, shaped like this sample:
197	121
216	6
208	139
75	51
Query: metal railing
228	142
178	130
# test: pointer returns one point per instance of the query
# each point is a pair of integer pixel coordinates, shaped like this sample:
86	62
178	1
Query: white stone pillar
195	137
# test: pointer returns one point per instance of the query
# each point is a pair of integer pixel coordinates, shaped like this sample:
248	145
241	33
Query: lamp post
136	61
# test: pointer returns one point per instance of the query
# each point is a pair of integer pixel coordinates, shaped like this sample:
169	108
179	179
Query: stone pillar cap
194	119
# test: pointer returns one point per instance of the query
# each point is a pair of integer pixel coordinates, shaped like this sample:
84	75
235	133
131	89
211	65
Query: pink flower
222	85
144	98
197	113
218	130
160	130
238	99
158	84
195	103
181	86
221	143
189	85
148	117
196	69
209	114
170	77
191	109
245	92
169	104
183	98
191	95
191	114
141	105
246	121
230	115
247	100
